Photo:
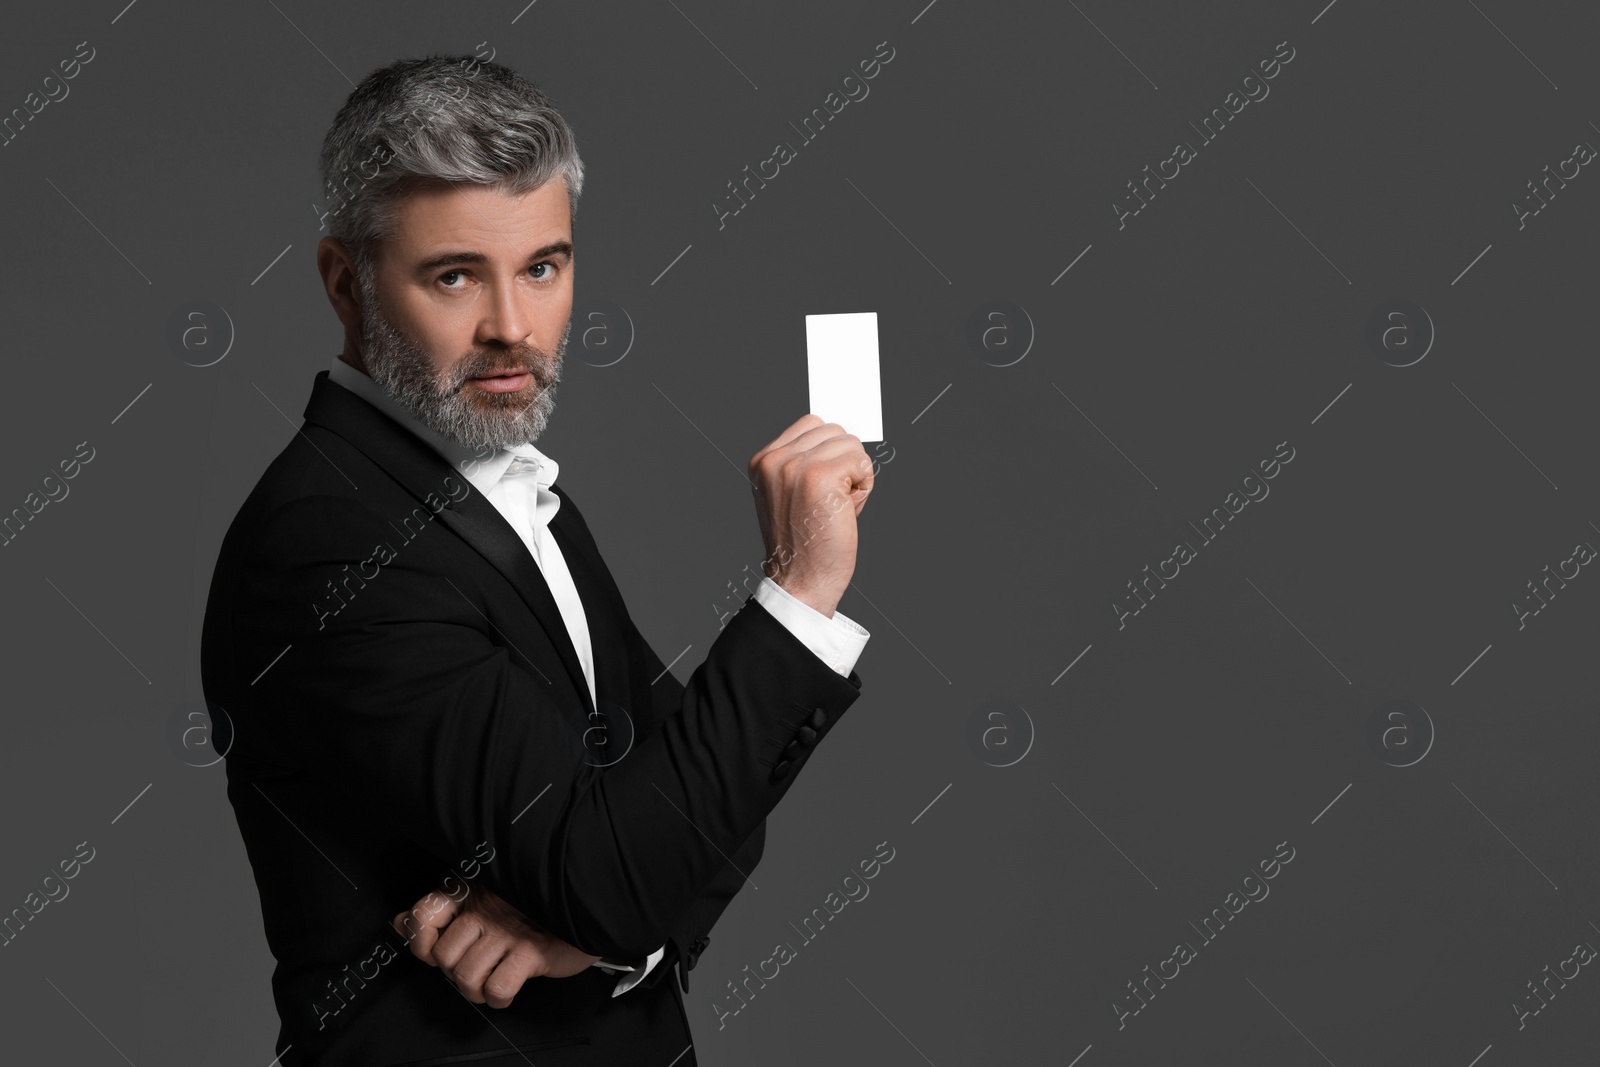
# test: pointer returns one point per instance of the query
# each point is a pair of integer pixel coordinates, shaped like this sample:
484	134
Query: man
438	699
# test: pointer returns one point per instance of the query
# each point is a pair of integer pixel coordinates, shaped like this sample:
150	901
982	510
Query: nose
505	320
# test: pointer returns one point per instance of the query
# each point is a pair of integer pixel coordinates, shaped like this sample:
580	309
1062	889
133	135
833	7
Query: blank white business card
842	368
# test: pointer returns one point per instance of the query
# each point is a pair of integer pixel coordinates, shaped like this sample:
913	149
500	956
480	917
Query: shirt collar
483	471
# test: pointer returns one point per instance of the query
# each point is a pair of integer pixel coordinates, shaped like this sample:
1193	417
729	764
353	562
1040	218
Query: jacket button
819	719
808	736
781	771
792	750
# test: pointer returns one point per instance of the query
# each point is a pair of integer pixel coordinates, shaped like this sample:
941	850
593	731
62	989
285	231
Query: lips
507	382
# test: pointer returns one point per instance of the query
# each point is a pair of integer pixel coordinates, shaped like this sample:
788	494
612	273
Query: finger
842	460
866	476
841	444
832	462
421	925
817	435
800	426
406	925
522	960
435	909
475	966
458	941
514	969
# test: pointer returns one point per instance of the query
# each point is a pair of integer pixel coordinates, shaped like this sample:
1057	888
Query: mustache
545	367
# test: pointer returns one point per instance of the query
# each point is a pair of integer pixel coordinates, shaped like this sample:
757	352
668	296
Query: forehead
479	218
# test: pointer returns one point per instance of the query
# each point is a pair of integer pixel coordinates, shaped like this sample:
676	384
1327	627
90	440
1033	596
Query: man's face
476	302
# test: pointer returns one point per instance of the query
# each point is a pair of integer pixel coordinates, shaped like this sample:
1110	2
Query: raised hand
810	483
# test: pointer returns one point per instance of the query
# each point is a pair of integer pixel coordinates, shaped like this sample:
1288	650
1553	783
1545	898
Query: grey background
1229	716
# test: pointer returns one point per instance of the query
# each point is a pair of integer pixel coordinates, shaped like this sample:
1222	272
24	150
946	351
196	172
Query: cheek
553	325
443	332
555	318
446	340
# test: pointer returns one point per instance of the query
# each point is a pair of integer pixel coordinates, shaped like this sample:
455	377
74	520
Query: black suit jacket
406	707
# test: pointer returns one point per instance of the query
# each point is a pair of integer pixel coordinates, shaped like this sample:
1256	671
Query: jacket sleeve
409	700
692	932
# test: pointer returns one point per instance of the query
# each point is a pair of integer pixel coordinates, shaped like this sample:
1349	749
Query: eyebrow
443	259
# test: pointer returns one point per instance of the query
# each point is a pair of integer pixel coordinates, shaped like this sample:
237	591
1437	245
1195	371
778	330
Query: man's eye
546	268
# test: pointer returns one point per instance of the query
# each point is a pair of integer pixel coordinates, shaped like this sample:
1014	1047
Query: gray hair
432	122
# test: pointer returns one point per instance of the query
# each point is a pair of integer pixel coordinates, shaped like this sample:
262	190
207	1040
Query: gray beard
467	415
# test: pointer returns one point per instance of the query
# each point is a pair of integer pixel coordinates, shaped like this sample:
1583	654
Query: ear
339	281
338	270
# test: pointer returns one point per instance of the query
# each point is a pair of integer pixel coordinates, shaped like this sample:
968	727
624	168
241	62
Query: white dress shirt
517	482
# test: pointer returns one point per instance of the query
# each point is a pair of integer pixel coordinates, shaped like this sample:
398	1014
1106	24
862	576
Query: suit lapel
421	471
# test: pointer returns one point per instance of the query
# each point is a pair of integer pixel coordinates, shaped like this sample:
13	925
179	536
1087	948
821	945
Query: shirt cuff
837	641
635	975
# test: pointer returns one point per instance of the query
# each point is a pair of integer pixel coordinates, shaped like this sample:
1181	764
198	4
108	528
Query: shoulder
318	492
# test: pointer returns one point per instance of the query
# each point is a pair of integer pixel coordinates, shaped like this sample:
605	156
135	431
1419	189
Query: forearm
648	834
